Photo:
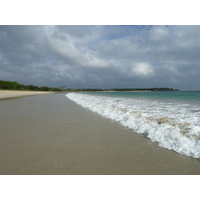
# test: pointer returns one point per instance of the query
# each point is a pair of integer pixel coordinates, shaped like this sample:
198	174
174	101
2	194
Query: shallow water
172	119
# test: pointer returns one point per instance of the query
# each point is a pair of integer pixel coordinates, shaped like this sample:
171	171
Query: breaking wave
173	126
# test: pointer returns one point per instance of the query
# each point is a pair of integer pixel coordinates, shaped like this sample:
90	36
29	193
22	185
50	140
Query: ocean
171	119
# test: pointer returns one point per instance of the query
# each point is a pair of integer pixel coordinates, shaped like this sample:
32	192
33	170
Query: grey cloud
75	31
101	56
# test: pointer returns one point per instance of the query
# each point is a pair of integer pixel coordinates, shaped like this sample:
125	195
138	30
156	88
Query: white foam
172	126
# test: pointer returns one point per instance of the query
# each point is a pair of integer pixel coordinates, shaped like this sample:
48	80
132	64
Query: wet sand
7	94
49	134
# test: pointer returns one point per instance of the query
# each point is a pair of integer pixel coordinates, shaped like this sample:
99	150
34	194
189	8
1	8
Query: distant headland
121	90
8	85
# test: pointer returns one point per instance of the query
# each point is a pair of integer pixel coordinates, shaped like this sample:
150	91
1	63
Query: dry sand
6	94
49	134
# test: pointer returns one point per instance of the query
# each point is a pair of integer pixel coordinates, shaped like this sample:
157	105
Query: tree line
8	85
123	89
144	89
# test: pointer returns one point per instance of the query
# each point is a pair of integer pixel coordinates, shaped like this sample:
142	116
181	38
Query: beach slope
50	134
7	94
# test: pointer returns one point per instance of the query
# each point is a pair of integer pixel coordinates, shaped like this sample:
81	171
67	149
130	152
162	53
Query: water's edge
173	126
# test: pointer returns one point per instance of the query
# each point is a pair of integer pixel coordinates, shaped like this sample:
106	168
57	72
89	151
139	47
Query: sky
101	56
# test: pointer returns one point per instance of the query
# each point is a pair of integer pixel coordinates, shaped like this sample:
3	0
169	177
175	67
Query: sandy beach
6	94
49	134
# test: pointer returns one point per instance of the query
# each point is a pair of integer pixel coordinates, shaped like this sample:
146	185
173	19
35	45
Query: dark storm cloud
101	56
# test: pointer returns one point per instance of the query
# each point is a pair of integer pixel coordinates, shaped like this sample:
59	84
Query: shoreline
52	135
10	94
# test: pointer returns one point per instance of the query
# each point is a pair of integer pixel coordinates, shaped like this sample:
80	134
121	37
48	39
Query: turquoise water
181	96
172	119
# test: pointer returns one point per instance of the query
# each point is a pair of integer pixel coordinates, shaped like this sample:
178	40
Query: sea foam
173	126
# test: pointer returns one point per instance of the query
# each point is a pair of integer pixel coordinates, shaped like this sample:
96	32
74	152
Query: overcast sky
101	56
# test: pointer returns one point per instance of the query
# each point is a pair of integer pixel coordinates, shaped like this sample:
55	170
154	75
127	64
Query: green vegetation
86	90
8	85
122	90
144	89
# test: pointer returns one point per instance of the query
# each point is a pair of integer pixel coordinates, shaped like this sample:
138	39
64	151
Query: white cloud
158	33
143	69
